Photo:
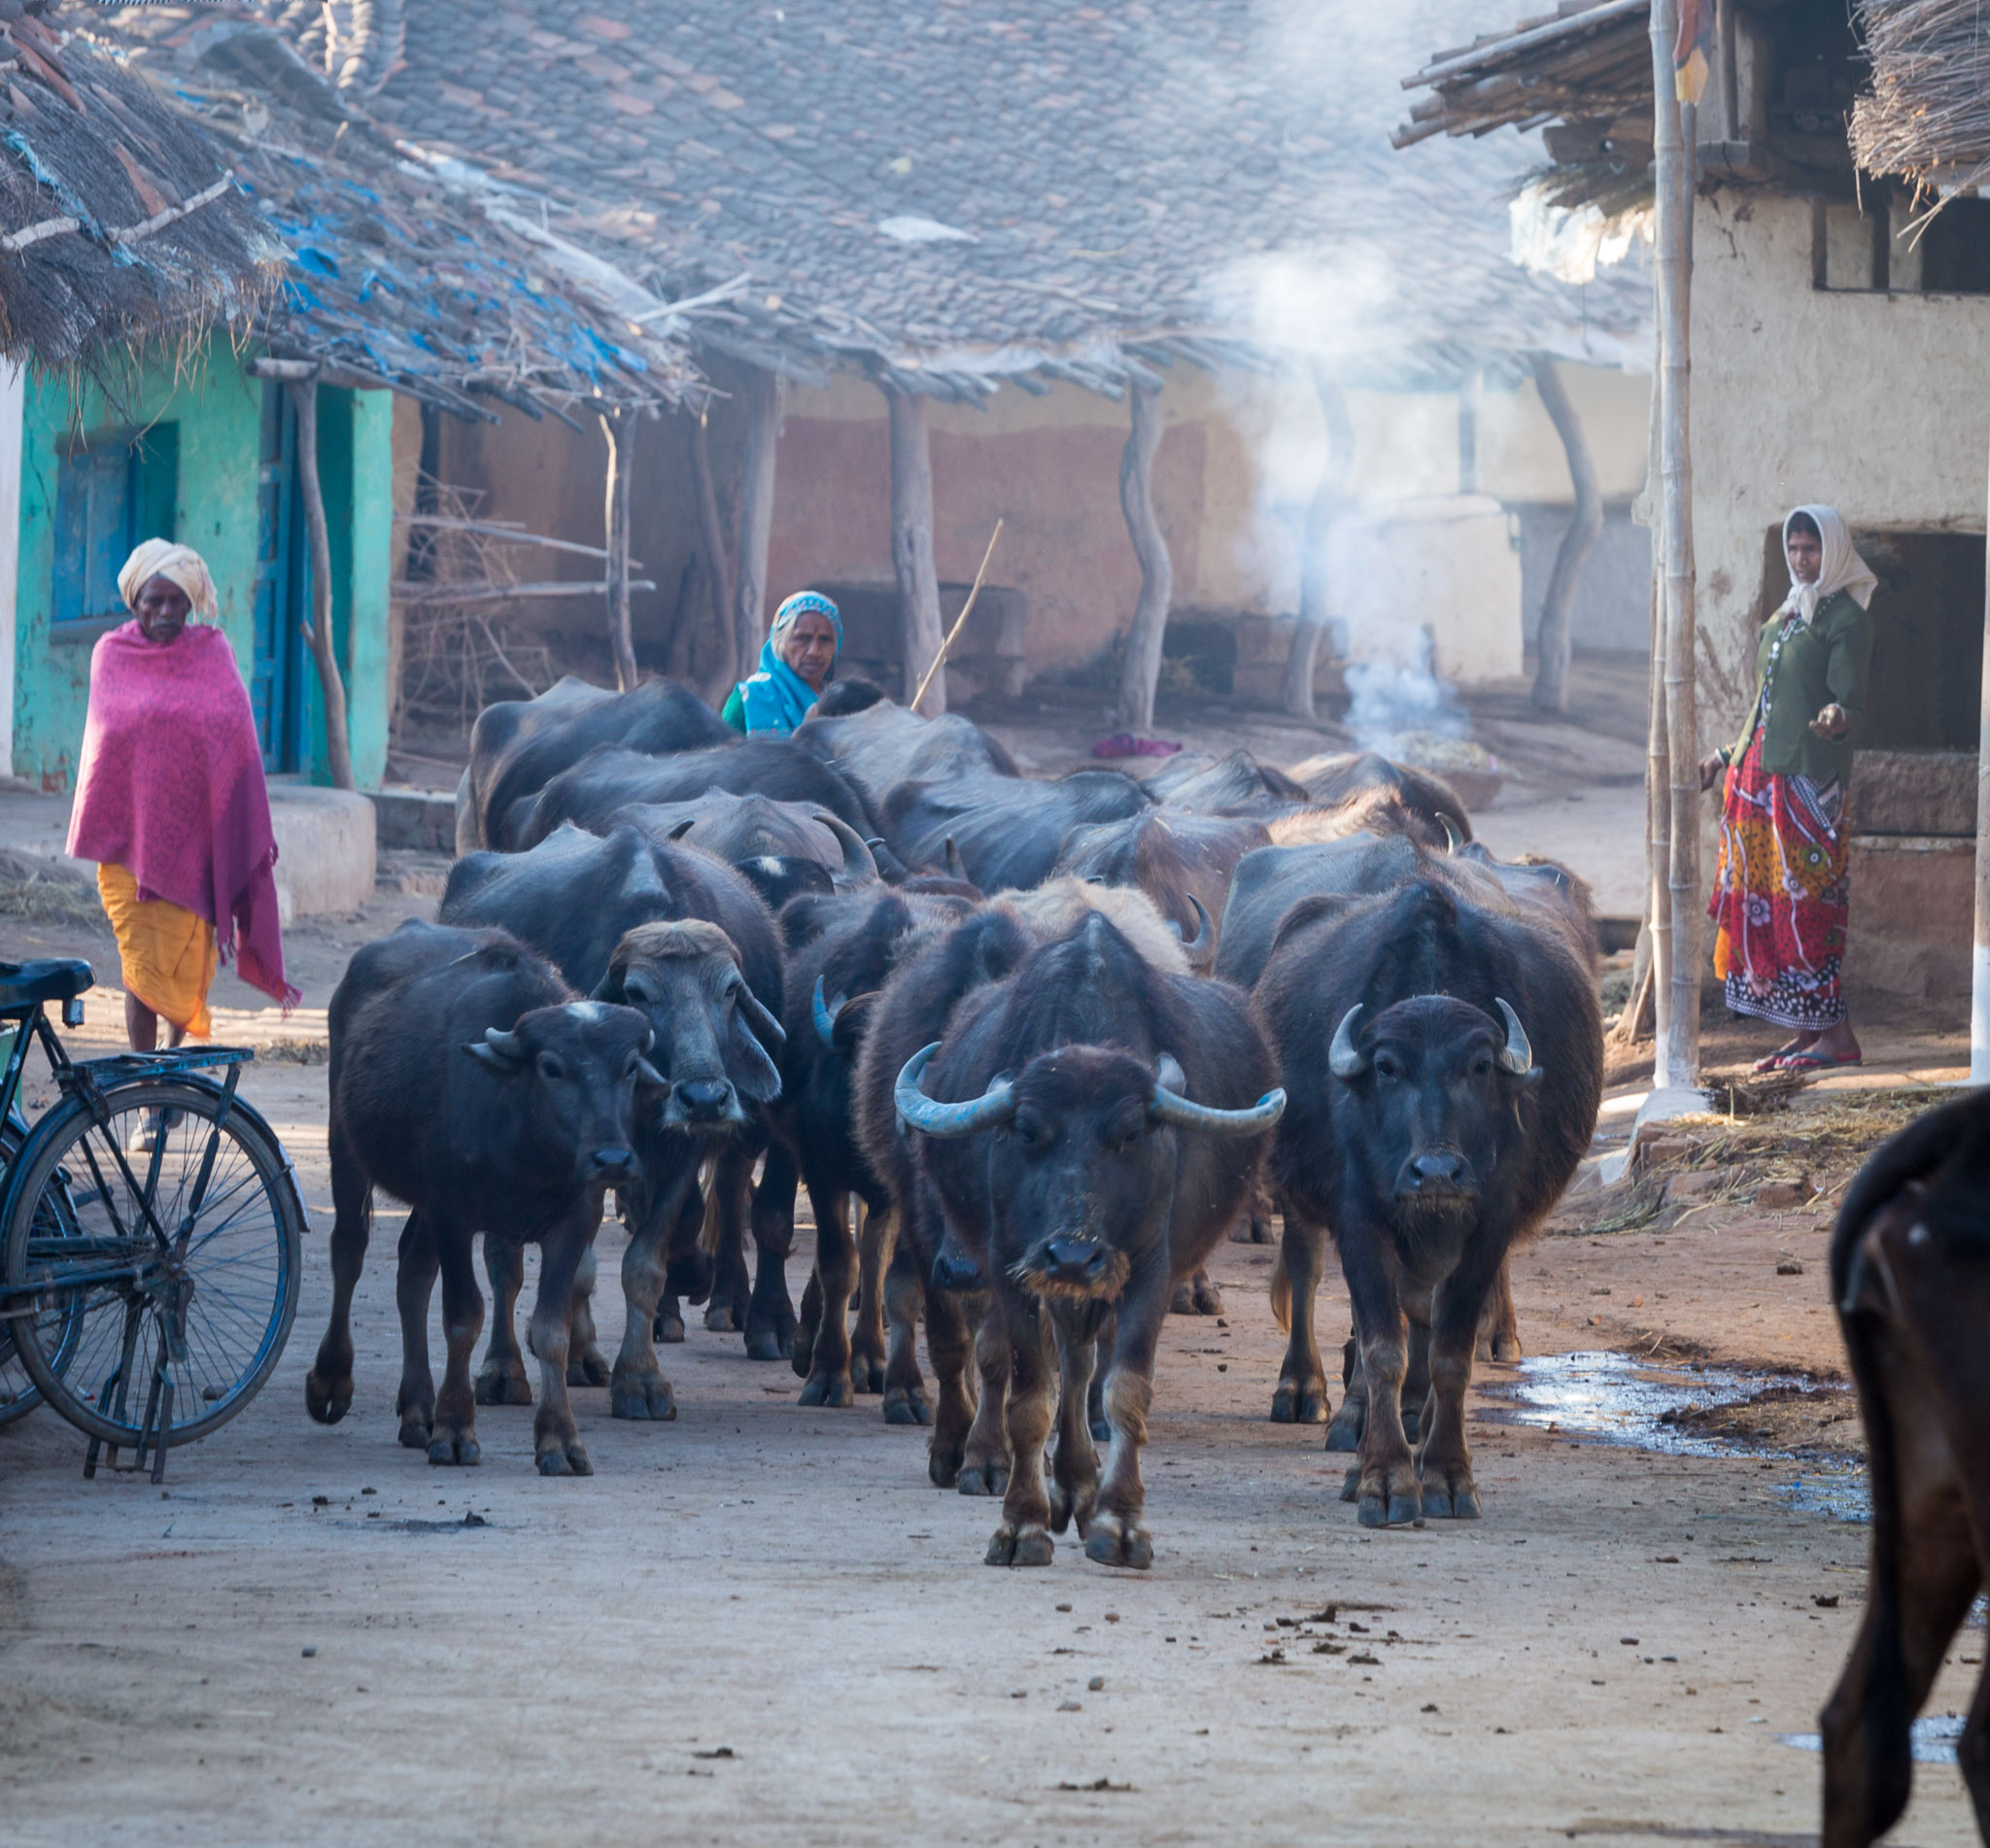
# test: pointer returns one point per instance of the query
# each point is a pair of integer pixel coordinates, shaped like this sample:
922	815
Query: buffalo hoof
766	1344
1102	1431
1026	1544
669	1329
983	1479
942	1464
903	1405
866	1373
1298	1402
829	1389
1388	1495
1345	1432
1067	1505
504	1383
417	1426
327	1400
568	1459
1182	1302
1208	1299
589	1367
802	1357
459	1452
641	1398
1260	1232
1119	1540
1450	1494
1507	1350
722	1318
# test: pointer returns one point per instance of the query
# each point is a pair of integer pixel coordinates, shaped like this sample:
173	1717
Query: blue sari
777	699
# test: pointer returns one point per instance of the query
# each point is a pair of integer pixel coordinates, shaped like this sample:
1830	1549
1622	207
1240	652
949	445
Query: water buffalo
999	832
573	898
1236	784
1427	1133
1910	1279
1183	862
1439	817
607	780
969	1448
753	828
1088	1126
468	1081
886	744
1268	883
518	746
850	946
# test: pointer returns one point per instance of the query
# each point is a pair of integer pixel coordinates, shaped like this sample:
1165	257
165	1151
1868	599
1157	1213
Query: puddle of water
1615	1398
1931	1740
1844	1495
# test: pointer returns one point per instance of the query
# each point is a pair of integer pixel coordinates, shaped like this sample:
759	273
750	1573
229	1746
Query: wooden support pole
1677	1062
718	575
1584	526
911	548
338	750
960	622
761	399
618	428
1143	670
1657	810
1979	959
1303	659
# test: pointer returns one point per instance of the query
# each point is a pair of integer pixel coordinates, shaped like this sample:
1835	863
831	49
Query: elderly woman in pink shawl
171	803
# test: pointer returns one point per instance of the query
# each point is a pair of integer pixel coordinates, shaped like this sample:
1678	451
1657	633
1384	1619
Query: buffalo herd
1033	1047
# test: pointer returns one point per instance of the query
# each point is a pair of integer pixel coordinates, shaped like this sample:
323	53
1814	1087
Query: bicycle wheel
18	1394
199	1291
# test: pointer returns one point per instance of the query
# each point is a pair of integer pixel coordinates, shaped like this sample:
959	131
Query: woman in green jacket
1781	898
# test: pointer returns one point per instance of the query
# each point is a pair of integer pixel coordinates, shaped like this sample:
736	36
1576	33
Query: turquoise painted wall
217	411
214	411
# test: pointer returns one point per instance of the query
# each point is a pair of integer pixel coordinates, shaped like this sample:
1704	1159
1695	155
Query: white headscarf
1843	568
178	565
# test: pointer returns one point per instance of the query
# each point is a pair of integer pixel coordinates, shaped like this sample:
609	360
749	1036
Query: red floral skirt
1781	898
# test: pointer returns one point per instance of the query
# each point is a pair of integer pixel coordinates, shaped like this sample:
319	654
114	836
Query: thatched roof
394	274
119	221
1927	116
993	191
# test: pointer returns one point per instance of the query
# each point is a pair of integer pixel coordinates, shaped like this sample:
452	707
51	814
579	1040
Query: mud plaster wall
1877	404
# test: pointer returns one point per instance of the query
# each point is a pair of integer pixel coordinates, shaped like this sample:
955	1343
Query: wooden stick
960	622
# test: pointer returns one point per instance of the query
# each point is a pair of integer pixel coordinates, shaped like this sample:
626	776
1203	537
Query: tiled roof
390	273
971	189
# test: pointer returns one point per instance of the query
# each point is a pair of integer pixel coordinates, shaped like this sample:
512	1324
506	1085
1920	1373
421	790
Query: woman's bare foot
1837	1045
1803	1043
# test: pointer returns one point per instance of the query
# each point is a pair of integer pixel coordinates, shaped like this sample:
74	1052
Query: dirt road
761	1625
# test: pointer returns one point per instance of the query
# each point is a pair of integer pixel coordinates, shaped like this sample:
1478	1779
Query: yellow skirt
168	952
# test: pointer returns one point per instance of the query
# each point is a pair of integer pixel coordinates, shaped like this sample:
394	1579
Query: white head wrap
179	564
1843	568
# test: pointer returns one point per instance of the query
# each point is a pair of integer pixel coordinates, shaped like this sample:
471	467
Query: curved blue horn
825	1017
917	1110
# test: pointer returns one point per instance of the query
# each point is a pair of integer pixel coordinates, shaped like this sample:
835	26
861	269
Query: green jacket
1824	662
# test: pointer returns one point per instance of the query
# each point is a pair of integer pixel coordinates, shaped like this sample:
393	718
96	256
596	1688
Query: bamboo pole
912	542
1585	526
1142	673
1677	1061
960	622
1979	960
338	748
718	576
762	400
618	430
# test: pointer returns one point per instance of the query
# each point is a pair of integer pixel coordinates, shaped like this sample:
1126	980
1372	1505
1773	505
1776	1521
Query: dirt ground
761	1623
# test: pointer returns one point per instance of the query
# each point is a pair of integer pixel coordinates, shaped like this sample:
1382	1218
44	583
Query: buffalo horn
1342	1060
1168	1073
825	1017
858	862
955	867
1169	1105
1516	1055
1451	833
917	1110
1196	947
504	1045
682	828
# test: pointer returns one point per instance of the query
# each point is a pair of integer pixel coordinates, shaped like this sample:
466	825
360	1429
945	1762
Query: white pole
1979	960
12	404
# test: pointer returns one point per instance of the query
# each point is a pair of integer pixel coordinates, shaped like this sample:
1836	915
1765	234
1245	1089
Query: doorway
282	591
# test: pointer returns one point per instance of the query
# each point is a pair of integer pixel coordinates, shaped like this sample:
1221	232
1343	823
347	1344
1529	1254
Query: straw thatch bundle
119	222
1927	113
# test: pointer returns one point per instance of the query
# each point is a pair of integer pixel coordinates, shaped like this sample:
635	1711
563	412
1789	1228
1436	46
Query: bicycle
150	1234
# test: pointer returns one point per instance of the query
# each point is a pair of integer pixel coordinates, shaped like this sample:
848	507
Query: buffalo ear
754	1074
851	1018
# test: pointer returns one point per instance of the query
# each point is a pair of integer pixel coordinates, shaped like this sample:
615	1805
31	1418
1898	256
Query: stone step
424	819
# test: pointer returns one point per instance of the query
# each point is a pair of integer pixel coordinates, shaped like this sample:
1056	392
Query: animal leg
769	1313
1099	1424
950	1346
876	1240
454	1436
1417	1370
637	1388
1445	1461
725	1309
1074	1474
985	1467
689	1268
1117	1534
808	1323
1351	1420
906	1401
1023	1536
836	1268
414	1281
502	1378
328	1386
1301	1397
1499	1326
1384	1483
586	1364
556	1440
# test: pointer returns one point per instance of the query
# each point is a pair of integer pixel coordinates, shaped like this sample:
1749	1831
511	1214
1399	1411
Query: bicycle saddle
47	979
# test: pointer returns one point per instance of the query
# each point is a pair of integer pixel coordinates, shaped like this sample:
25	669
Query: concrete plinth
325	851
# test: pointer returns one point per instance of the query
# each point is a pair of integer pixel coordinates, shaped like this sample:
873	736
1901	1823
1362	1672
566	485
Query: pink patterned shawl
171	788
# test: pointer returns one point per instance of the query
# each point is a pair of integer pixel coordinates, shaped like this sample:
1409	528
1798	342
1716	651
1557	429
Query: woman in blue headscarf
795	662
